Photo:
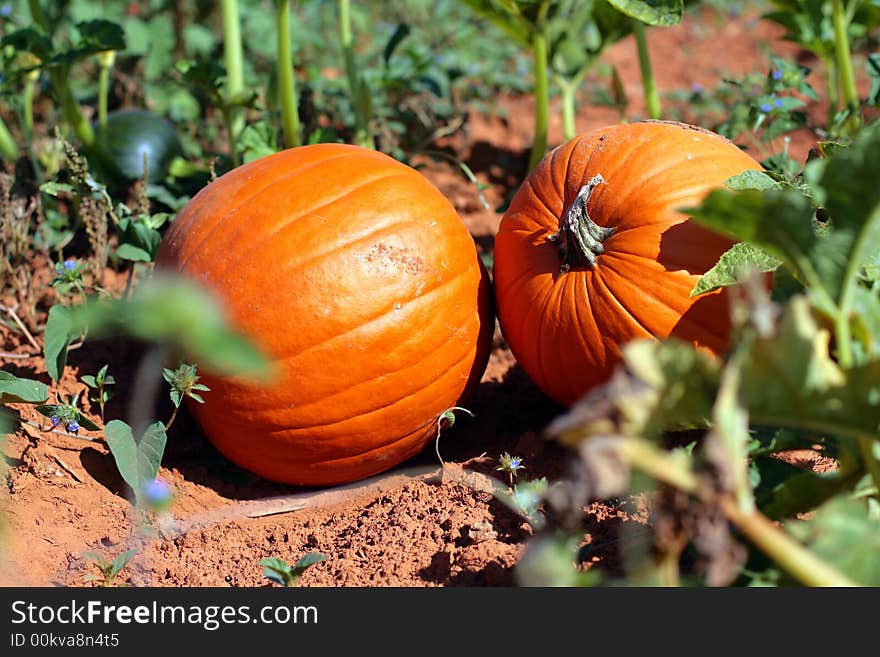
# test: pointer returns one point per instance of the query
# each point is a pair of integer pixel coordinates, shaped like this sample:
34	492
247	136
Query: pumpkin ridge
248	199
211	195
668	264
579	284
323	425
636	151
539	333
643	291
288	222
621	306
543	203
292	222
416	435
361	324
511	286
587	278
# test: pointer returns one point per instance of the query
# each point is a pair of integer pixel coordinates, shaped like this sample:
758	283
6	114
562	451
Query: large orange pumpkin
593	251
364	287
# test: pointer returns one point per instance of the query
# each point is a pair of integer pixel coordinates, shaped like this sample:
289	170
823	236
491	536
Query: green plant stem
649	85
234	61
286	83
542	92
105	61
70	108
790	555
799	562
845	71
832	88
567	89
8	147
359	97
103	84
58	75
229	122
30	82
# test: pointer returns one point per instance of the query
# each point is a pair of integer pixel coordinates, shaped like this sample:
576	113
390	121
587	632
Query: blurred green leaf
791	380
30	40
873	65
258	140
849	192
656	12
14	390
400	33
751	179
59	331
842	533
176	311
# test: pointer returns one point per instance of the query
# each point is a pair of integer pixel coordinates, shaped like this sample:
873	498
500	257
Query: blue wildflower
70	264
157	493
696	88
73	426
6	10
777	74
778	102
55	420
766	107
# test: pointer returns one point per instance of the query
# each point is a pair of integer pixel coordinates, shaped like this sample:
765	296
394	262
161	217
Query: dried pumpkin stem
580	237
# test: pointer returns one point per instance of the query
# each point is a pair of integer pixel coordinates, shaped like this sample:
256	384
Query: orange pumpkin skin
359	280
566	328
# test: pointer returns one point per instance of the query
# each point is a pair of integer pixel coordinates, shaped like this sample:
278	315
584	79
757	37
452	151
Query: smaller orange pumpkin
593	251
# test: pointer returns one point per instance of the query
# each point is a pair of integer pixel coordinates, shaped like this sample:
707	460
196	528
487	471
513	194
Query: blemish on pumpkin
393	259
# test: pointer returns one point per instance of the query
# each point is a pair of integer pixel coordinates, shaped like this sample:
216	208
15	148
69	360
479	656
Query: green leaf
58	333
133	253
790	380
89	380
507	15
793	490
852	199
29	40
740	258
842	533
399	35
308	559
86	423
139	241
53	188
258	140
782	223
121	561
176	397
665	385
101	35
656	12
726	445
873	65
14	390
138	462
866	322
751	179
277	570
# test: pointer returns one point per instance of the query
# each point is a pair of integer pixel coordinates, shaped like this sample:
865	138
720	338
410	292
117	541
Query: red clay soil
63	496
